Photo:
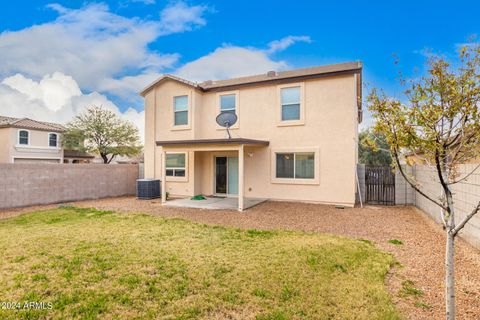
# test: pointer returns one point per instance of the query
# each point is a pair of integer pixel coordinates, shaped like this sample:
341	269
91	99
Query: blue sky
59	56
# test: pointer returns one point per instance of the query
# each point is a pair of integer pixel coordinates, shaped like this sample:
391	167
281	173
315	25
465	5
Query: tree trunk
104	157
450	258
450	276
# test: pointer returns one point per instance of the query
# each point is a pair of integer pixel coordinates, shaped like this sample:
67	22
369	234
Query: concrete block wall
404	193
32	184
466	195
361	180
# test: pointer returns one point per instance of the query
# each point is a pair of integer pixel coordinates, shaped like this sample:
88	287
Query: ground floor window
175	165
295	165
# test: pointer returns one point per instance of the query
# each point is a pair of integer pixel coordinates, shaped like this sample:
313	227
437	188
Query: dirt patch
416	284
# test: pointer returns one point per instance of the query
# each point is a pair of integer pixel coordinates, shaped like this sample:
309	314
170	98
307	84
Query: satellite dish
226	120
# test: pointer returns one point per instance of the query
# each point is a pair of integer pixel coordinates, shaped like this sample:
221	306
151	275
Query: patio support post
241	176
164	176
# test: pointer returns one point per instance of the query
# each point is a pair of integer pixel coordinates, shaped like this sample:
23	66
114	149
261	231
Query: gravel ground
420	256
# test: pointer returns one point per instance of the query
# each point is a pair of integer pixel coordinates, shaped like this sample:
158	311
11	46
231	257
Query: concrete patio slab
213	203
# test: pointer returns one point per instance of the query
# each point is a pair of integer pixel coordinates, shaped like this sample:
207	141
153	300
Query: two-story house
295	138
24	140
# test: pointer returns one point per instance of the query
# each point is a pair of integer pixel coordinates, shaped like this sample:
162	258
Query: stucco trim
17	144
48	139
287	123
60	160
273	166
187	165
237	107
187	126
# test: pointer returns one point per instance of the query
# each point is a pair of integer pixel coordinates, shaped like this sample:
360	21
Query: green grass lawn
98	264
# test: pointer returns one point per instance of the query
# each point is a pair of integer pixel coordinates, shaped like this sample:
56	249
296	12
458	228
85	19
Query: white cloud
128	87
101	52
94	45
284	43
232	61
229	62
179	17
55	98
143	1
55	90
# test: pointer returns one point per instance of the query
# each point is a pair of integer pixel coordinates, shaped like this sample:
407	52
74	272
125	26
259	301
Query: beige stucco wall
5	145
37	150
330	127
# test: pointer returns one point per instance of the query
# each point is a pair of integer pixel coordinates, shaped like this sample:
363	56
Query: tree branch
111	158
465	178
467	218
397	161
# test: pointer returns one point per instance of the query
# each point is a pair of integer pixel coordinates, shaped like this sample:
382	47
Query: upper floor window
290	100
52	140
175	165
180	108
228	103
23	137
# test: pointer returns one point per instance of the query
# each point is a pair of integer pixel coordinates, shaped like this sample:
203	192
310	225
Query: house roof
271	76
213	141
26	123
77	154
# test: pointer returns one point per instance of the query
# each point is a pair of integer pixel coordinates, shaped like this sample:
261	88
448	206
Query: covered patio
204	159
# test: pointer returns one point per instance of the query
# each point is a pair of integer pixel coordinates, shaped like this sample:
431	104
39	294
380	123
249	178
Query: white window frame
316	154
18	137
237	107
187	126
296	122
48	139
174	178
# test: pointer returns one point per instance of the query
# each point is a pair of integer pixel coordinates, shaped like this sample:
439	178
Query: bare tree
441	123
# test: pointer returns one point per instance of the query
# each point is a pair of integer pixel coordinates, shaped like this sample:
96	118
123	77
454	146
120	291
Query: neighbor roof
77	154
284	76
26	123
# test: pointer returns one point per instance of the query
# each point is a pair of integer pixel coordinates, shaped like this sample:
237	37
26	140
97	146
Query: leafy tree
101	131
373	148
440	120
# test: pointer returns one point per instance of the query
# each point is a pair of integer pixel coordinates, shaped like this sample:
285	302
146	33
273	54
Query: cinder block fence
466	195
32	184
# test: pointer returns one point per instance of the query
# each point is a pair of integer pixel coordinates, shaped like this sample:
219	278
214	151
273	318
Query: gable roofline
167	77
27	123
266	78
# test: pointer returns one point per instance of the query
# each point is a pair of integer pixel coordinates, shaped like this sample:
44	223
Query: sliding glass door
226	175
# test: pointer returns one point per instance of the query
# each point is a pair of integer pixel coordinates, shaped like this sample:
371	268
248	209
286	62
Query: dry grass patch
92	264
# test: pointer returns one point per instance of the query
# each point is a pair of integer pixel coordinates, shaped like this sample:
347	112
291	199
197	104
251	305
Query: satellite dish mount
226	119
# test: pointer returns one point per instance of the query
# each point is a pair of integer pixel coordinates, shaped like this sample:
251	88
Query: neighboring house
27	141
296	137
75	156
121	159
24	140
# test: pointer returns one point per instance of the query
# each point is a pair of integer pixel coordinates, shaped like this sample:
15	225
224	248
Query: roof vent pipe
271	74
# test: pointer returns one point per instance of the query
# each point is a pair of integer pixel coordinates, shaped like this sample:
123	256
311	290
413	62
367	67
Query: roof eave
165	77
194	142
